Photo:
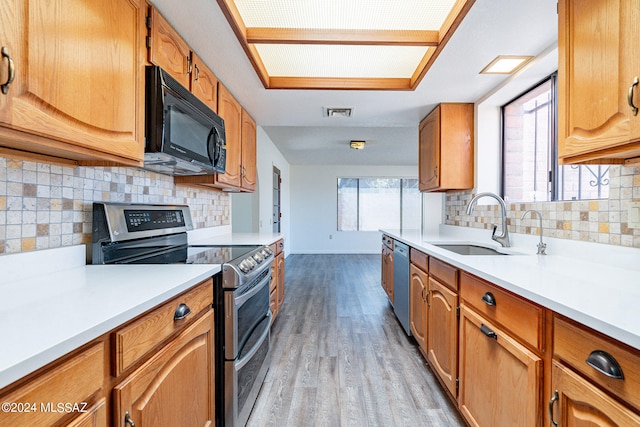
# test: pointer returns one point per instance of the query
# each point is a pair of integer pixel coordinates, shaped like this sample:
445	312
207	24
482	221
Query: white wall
314	208
252	212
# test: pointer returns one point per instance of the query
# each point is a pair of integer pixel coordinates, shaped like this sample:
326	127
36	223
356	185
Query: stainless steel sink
469	249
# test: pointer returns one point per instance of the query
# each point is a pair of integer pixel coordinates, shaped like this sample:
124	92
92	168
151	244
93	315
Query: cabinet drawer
279	246
521	317
387	241
419	259
574	344
71	382
150	330
446	274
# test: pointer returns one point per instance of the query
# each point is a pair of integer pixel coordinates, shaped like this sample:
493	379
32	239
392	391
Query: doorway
277	213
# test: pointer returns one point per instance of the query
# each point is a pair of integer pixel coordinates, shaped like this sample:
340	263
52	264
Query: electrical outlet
330	236
634	215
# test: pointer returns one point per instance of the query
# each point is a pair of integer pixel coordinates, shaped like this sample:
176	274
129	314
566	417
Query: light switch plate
634	215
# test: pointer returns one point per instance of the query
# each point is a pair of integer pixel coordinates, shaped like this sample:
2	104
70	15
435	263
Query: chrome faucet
503	238
542	247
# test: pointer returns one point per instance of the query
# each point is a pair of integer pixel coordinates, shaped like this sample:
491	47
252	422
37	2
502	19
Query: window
368	204
530	170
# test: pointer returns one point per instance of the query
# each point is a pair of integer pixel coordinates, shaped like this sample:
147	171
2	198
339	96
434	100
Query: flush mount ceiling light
505	64
357	145
337	44
337	111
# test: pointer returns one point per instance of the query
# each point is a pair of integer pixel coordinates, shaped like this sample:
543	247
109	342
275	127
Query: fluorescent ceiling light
338	111
338	44
357	145
505	64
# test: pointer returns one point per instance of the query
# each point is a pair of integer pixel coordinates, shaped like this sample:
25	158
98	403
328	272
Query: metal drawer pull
488	332
12	71
182	311
489	299
605	363
553	400
128	420
634	109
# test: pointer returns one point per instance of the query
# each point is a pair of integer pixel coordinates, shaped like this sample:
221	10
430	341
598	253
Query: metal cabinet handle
634	109
489	299
128	420
553	400
12	71
605	363
488	332
197	72
182	311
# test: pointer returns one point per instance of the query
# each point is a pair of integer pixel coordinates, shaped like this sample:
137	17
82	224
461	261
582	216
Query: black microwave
183	135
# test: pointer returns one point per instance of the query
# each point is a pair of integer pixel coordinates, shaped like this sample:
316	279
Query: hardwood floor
340	357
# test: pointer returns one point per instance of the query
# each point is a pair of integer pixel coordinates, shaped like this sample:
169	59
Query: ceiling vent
337	111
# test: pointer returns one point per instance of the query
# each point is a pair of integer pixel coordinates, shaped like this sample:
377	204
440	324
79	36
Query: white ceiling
387	120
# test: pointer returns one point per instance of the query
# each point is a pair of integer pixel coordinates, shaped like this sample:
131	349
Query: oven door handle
244	297
265	335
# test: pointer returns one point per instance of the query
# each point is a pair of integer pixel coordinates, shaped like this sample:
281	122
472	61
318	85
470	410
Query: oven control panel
138	220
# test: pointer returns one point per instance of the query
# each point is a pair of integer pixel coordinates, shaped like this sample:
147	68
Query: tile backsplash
599	221
46	206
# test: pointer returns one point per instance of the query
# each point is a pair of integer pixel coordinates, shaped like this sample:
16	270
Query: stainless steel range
157	234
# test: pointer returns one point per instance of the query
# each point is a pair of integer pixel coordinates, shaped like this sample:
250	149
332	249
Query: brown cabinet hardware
12	71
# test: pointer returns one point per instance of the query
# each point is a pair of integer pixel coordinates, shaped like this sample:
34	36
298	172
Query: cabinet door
418	308
429	152
442	335
248	152
175	387
168	50
581	404
78	91
204	84
280	278
388	281
231	112
598	43
500	379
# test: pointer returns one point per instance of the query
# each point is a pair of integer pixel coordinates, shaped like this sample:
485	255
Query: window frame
552	181
401	198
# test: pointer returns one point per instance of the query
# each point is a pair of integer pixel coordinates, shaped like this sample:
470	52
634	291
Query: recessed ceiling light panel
505	64
337	111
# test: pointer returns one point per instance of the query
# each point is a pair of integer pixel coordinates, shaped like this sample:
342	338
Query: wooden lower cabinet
442	333
418	288
75	380
500	379
173	388
95	416
387	272
578	403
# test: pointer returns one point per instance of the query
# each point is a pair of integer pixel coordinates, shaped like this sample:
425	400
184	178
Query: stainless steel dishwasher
401	284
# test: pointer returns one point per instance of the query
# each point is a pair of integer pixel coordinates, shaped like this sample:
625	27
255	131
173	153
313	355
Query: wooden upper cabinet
598	63
168	50
78	91
204	84
231	111
248	152
445	148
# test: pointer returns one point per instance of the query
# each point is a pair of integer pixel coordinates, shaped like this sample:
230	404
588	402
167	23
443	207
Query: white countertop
52	303
222	236
601	295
